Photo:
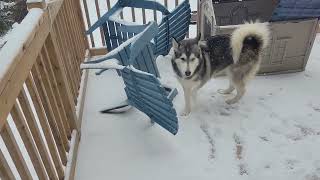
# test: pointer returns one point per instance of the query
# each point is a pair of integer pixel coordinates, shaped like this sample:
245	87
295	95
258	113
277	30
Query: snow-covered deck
273	133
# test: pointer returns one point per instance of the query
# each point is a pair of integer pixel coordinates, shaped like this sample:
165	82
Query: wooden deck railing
39	87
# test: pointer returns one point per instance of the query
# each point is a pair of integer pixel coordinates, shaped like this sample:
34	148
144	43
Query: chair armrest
106	57
104	18
145	4
111	64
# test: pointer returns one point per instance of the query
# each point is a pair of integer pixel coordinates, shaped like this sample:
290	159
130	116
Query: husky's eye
193	59
177	54
183	59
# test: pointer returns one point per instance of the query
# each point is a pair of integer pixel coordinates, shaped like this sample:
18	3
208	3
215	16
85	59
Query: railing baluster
144	16
99	15
71	21
88	20
59	71
64	32
27	139
108	4
46	84
155	18
41	107
133	13
36	133
5	171
68	39
70	74
57	95
15	152
78	27
60	139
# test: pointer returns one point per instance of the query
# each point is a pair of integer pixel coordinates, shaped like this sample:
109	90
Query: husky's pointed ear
175	43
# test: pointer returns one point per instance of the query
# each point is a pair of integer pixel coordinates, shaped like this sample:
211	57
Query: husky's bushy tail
249	36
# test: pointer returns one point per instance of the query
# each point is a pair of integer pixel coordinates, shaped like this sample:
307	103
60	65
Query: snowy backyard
273	133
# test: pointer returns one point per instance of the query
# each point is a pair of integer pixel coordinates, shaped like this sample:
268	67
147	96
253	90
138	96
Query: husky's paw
231	101
185	113
224	91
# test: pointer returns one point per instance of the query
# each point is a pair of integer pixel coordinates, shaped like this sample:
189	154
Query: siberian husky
195	62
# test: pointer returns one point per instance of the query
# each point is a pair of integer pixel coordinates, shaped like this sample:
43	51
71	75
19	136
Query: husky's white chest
189	83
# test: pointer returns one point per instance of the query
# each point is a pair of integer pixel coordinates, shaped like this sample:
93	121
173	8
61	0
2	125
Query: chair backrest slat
119	34
145	84
112	35
124	34
154	63
180	11
106	36
141	62
149	57
145	92
176	25
130	35
180	21
171	127
148	95
124	57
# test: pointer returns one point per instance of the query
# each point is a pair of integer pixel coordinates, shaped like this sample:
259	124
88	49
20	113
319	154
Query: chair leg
120	108
172	92
101	71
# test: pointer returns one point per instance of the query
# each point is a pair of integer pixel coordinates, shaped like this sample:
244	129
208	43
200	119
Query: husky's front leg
187	99
194	94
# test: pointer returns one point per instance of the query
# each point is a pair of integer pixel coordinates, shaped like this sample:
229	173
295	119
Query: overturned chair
173	24
143	88
119	35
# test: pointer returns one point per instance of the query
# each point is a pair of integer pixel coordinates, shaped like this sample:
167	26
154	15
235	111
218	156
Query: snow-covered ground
273	133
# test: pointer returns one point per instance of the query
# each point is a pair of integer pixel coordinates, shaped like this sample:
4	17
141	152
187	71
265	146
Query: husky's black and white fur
239	55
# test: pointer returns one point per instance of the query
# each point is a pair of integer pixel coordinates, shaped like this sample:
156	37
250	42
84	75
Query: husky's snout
188	73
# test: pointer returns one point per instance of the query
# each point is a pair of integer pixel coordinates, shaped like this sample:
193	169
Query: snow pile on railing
17	38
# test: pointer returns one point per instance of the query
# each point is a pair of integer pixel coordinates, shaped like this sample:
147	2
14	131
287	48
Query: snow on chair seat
173	24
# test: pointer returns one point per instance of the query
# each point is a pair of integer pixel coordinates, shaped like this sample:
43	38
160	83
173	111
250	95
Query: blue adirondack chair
119	34
145	60
173	24
143	89
296	9
145	92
